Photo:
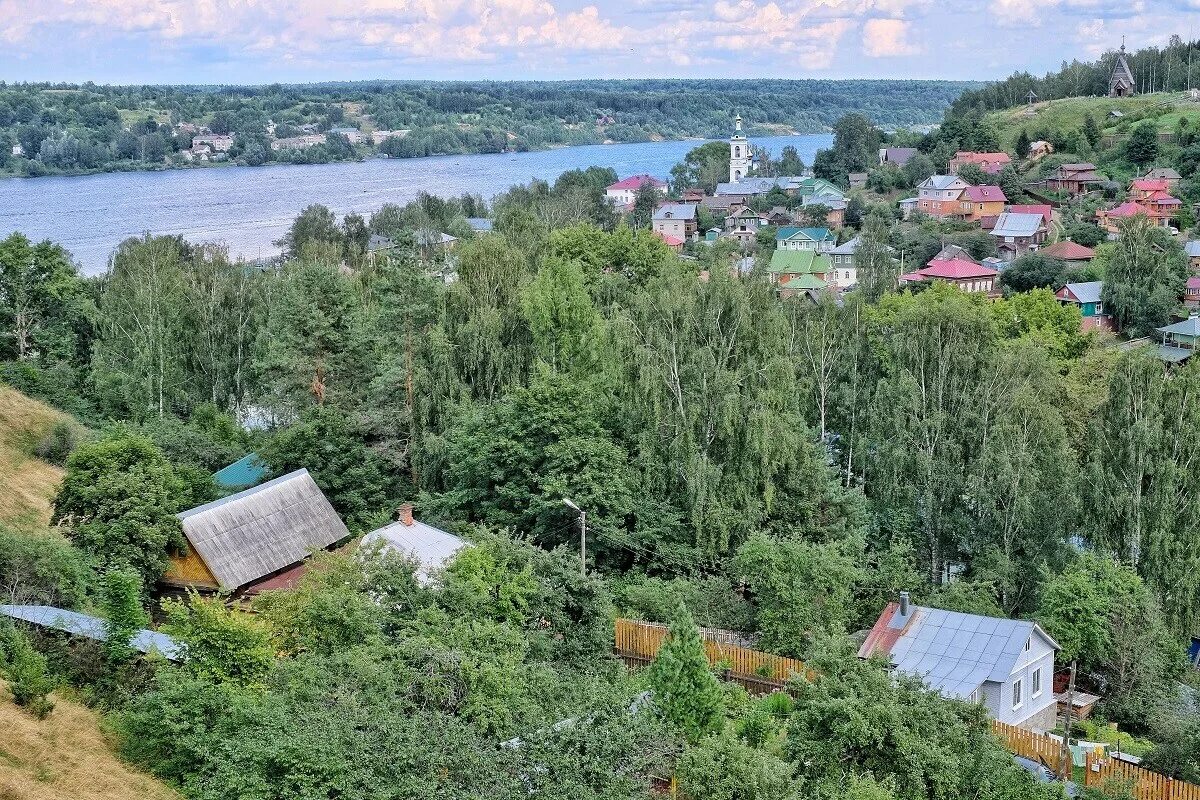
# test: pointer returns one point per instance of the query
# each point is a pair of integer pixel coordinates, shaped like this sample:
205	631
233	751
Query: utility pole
1065	762
582	536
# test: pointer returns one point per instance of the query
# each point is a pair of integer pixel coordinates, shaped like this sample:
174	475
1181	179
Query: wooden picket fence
758	671
1100	769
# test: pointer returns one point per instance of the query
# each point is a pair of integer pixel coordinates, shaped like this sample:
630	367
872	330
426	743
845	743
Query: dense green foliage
65	128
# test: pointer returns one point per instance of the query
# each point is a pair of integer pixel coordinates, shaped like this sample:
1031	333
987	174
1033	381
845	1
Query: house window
1099	308
1016	693
1027	641
1037	682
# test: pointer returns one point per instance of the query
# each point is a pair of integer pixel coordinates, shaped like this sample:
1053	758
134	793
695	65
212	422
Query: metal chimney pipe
904	604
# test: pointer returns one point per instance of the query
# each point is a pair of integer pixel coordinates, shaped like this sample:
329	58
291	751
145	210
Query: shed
247	471
430	547
239	541
77	624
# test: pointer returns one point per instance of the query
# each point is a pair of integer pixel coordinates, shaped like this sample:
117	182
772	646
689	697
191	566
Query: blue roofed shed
77	624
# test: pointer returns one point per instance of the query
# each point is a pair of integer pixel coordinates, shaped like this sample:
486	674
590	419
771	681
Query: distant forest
1174	68
64	128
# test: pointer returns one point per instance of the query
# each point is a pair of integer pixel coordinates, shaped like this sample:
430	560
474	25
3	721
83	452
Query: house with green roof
247	471
821	240
799	272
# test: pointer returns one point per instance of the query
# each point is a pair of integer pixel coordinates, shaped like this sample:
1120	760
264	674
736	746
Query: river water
248	208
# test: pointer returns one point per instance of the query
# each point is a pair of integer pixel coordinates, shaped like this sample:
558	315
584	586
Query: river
248	208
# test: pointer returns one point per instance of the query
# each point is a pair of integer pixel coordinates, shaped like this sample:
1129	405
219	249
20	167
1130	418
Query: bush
28	680
41	567
58	443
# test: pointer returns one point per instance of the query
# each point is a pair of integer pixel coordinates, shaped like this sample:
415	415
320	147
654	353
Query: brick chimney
404	514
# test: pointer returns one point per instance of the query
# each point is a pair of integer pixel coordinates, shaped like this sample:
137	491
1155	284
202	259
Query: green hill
1164	108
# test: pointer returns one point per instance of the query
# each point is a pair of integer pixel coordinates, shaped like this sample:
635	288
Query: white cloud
884	38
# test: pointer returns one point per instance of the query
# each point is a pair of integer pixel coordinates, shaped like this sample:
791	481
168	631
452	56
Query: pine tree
1091	131
1022	145
685	689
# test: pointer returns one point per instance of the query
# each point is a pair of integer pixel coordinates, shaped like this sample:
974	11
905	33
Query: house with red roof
991	163
1069	252
1146	196
954	266
982	201
1143	188
623	192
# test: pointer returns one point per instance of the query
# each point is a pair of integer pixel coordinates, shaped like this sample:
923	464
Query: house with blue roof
822	240
1005	664
247	471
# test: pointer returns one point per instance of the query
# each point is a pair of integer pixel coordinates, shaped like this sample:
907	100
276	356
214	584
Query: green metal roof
799	262
247	471
803	282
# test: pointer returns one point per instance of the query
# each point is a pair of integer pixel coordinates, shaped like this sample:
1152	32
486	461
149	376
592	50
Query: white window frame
1036	679
1018	693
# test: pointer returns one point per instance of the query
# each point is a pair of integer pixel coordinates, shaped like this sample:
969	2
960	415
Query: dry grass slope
65	757
28	482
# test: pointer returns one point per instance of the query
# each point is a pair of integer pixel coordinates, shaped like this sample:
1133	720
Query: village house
1074	179
1007	665
857	180
835	217
1193	254
897	156
821	240
954	266
1017	234
977	202
1191	292
353	135
1046	210
624	192
745	224
379	137
219	143
677	220
255	540
1145	197
430	548
780	216
1180	340
1167	174
724	204
299	142
1039	150
940	195
991	163
844	273
797	272
1069	252
1086	296
18	151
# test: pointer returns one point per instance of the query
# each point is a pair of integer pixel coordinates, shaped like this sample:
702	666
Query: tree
1086	233
1022	144
28	679
118	502
124	617
725	768
1145	271
856	209
1091	131
44	311
563	322
918	168
684	689
1033	271
644	203
316	225
702	168
41	568
815	215
1141	148
974	175
218	643
789	162
876	268
855	149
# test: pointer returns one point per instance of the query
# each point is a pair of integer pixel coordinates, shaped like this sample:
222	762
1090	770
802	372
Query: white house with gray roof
677	220
1005	664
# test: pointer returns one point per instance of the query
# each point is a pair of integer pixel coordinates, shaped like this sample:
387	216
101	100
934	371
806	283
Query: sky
264	41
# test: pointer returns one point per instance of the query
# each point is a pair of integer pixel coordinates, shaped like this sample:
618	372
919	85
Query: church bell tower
740	160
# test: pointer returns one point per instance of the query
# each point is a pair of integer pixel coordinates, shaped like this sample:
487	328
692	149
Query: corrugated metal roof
254	533
431	547
246	471
951	652
77	624
1086	292
1017	225
1189	327
676	211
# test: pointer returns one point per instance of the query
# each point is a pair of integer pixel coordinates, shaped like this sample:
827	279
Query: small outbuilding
256	539
431	548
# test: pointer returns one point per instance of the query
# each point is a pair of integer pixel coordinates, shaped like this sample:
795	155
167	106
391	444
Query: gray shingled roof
431	547
939	181
77	624
1087	292
954	653
1017	225
676	211
252	534
846	248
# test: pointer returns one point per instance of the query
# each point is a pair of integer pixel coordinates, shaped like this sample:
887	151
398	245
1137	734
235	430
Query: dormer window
1027	641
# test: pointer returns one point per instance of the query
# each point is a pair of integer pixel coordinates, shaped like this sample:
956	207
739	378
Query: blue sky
259	41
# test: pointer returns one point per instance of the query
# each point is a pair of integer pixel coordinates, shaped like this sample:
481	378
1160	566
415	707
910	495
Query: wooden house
978	202
1069	252
1074	178
256	539
1086	296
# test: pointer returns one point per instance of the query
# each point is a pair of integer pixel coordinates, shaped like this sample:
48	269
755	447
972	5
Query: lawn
29	483
1165	108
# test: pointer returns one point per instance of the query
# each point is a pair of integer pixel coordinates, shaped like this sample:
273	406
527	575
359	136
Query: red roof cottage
624	192
954	266
1069	252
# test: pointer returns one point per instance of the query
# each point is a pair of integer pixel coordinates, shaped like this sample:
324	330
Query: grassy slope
1068	114
28	482
65	756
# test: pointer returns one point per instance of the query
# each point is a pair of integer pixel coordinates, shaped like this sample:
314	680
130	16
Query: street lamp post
582	535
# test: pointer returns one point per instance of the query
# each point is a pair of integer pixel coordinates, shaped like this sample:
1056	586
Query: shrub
58	443
28	680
